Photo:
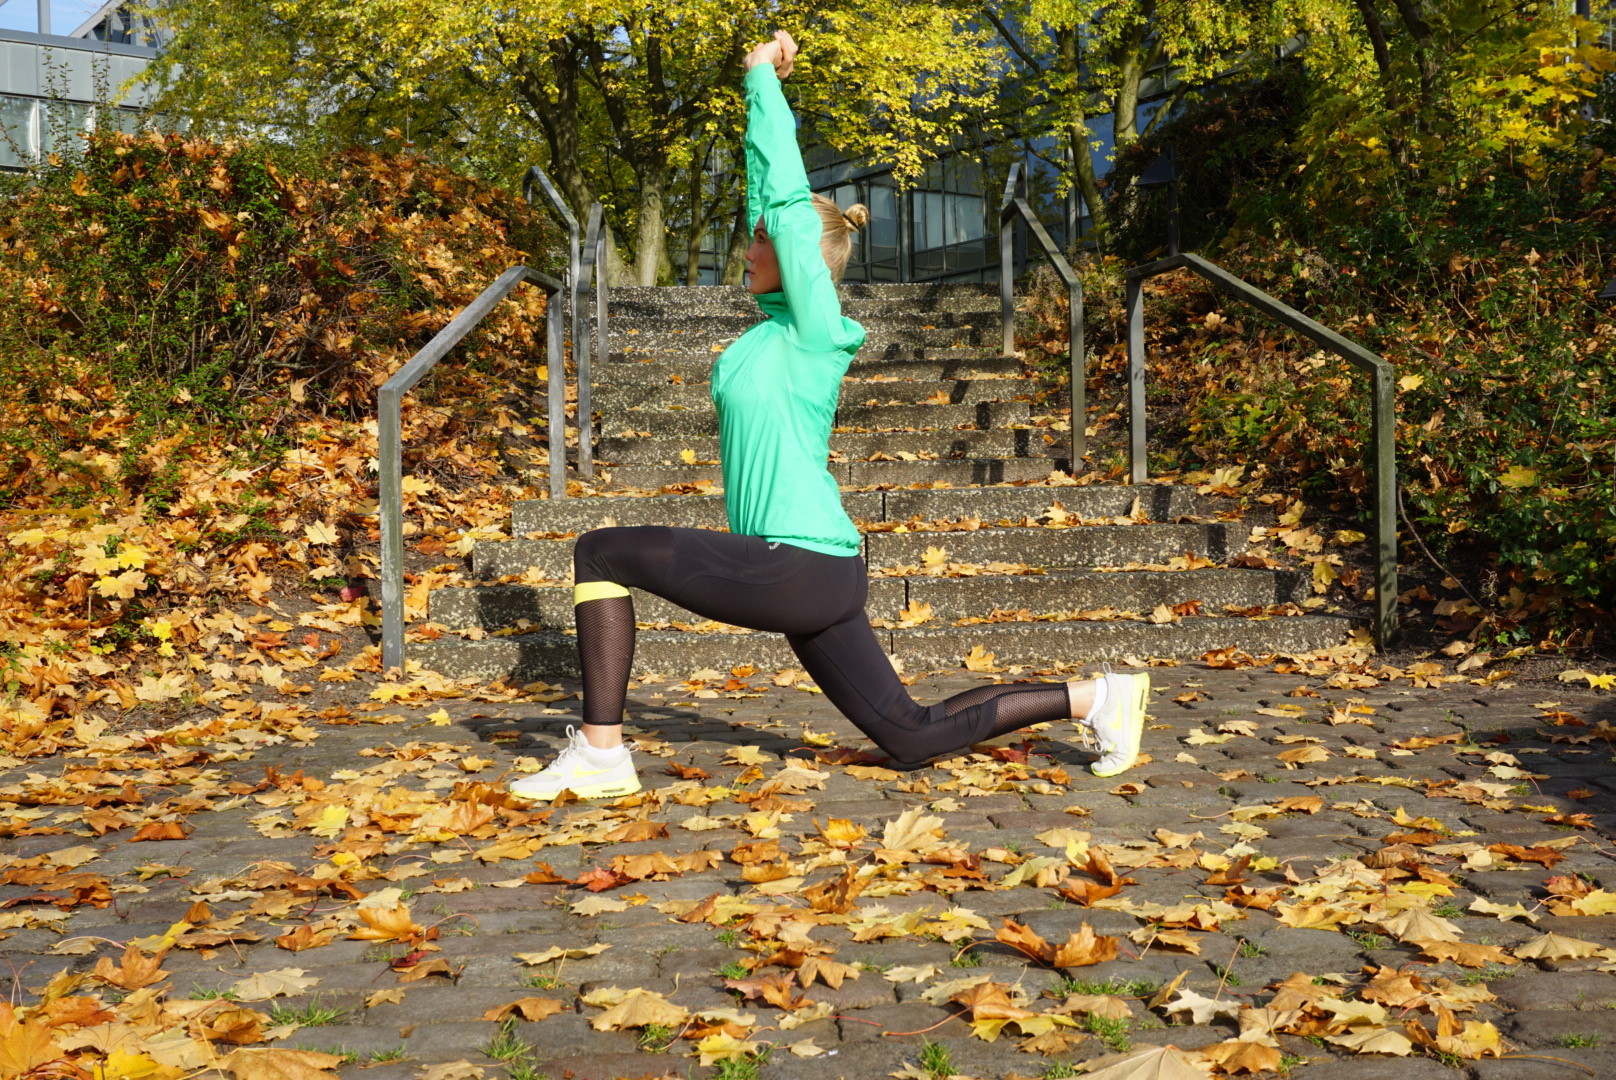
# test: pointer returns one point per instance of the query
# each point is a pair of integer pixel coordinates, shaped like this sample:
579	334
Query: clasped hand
781	51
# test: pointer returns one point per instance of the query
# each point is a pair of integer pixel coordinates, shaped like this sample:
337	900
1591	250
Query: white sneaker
587	772
1120	725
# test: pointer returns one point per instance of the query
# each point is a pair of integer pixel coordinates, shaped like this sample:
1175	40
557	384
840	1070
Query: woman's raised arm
777	192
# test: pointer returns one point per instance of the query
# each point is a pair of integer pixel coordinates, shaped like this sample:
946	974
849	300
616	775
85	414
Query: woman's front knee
603	554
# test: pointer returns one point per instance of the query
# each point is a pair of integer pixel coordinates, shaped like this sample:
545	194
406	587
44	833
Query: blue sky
66	15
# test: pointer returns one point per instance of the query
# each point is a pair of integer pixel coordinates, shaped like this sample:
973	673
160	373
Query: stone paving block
869	1025
361	1039
1576	1063
1376	1067
623	1066
432	1042
1532	990
1543	1029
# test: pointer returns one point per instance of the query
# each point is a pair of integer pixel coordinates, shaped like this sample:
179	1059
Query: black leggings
815	600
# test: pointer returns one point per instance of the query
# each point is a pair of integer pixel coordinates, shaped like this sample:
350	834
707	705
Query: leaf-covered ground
1326	865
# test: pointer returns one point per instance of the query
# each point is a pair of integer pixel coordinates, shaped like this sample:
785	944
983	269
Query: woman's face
762	266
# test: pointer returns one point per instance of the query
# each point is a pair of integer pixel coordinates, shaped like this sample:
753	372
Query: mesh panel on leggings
605	654
1029	705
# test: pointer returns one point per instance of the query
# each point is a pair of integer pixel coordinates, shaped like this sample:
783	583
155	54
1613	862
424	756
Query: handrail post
390	491
602	302
1015	206
1076	355
389	434
537	177
1383	420
593	261
555	411
1138	467
1381	455
1007	269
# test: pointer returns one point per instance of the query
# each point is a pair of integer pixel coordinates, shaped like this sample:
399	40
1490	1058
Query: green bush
1480	292
158	292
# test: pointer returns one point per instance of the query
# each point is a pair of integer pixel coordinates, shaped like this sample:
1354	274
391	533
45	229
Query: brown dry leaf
260	1063
637	1009
306	936
777	990
1156	1063
25	1044
1236	1057
418	971
1087	893
1556	947
635	832
990	1001
388	924
1081	948
1303	755
531	1008
133	972
1463	953
838	896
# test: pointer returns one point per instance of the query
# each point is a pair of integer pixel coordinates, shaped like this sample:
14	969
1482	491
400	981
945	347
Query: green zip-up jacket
776	387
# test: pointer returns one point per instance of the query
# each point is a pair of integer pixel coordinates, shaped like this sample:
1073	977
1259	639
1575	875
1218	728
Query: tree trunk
740	238
1078	134
651	238
1419	30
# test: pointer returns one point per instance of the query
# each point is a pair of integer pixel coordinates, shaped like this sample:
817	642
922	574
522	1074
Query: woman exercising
790	563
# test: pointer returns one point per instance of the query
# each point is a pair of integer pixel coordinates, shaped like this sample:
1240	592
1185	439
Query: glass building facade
51	84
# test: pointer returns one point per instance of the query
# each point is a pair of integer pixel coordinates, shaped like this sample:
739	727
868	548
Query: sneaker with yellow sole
587	771
1119	726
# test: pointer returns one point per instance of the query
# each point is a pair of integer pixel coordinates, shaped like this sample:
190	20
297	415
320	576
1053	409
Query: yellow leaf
320	533
440	718
979	659
687	456
1517	476
1410	382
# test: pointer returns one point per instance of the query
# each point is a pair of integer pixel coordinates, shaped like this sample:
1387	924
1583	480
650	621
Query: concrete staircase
945	455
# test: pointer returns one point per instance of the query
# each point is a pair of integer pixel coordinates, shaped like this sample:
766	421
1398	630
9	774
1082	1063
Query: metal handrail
537	177
390	463
1383	408
591	258
594	263
1013	206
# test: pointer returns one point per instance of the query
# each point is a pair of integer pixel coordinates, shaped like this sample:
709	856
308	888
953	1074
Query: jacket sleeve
777	190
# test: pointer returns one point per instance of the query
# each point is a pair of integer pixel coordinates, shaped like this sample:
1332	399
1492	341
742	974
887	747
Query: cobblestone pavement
1459	802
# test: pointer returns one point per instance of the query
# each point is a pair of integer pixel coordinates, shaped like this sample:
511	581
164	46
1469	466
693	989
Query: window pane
60	126
16	131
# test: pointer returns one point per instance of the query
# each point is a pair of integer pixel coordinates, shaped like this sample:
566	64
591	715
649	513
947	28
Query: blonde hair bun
857	216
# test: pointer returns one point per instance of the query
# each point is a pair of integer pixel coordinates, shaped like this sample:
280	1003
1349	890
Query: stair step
617	397
497	607
1017	442
985	416
1158	502
662	372
857	474
551	654
1074	548
696	342
735	323
696	296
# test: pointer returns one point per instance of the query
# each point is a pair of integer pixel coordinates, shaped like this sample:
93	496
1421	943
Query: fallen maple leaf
1156	1063
639	1008
531	1008
258	1063
388	924
1081	948
134	971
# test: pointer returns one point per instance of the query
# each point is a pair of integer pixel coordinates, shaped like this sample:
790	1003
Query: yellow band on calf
596	590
